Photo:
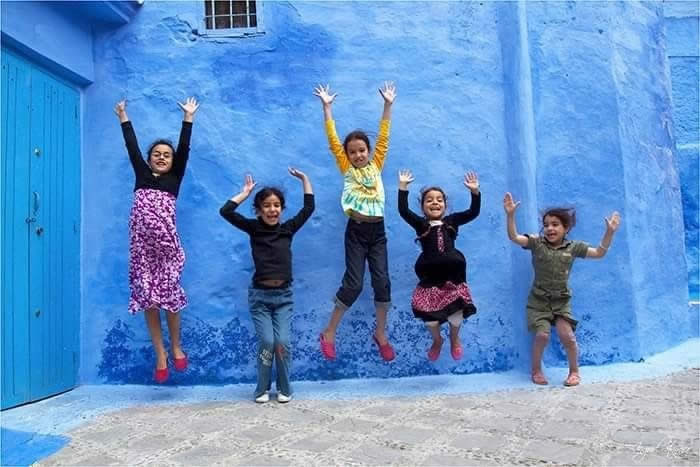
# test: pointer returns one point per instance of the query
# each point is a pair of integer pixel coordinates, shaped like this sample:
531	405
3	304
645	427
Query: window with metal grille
232	17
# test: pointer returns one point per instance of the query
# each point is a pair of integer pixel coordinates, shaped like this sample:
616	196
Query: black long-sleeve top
421	224
271	245
434	266
169	182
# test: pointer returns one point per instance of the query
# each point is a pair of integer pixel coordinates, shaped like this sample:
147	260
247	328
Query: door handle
35	208
36	204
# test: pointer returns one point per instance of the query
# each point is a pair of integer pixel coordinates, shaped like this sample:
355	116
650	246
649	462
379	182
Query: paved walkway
647	422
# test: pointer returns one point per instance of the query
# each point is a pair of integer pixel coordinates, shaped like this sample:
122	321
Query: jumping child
549	300
156	257
442	293
270	294
365	237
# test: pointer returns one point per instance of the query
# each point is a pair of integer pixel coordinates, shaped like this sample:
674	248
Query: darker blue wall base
24	448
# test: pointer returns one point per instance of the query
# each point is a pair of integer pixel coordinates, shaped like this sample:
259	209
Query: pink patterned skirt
437	303
156	258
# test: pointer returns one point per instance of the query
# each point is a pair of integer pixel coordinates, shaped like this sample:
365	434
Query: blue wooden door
40	240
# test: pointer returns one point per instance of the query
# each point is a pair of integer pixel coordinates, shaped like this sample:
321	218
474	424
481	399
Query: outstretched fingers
405	176
471	181
120	107
613	222
388	92
324	93
508	204
190	105
249	183
296	173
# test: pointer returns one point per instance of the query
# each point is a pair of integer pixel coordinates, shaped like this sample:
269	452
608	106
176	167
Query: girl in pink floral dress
442	293
156	257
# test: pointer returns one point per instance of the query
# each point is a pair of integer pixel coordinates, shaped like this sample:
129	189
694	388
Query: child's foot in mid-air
386	351
574	379
538	378
434	350
455	344
327	347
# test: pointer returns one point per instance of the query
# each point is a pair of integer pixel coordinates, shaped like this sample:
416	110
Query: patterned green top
363	190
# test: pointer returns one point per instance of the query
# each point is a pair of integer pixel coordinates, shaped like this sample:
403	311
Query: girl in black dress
442	293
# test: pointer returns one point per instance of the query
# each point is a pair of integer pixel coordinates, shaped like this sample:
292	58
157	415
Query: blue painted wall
43	31
682	24
561	103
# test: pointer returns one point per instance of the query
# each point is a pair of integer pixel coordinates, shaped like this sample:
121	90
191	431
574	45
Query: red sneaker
180	363
386	350
161	376
327	348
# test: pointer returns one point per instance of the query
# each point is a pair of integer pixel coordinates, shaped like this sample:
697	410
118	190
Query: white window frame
234	32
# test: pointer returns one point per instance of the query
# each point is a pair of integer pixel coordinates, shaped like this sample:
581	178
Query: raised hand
405	178
189	107
509	205
324	93
471	181
248	185
297	173
388	92
120	110
613	222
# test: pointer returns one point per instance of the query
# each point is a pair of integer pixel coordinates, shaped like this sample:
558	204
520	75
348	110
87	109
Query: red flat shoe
327	348
434	351
457	352
180	363
386	350
161	376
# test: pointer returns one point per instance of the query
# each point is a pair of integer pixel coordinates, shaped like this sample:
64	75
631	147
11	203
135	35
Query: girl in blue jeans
270	294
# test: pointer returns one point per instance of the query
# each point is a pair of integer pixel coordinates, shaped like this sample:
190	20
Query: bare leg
174	330
153	322
538	345
336	316
382	310
454	336
568	340
437	338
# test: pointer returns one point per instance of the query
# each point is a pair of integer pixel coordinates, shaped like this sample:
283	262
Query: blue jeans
271	310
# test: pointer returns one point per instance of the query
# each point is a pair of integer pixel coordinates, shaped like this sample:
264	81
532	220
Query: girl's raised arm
510	206
228	210
381	147
307	209
413	219
388	92
132	144
334	144
611	225
182	153
471	181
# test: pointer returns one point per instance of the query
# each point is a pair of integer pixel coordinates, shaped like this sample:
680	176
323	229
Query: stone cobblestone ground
649	422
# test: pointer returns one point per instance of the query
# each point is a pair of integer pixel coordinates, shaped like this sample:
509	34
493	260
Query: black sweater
169	182
271	245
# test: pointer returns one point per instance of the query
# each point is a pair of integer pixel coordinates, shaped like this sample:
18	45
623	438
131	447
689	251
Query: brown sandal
572	380
538	378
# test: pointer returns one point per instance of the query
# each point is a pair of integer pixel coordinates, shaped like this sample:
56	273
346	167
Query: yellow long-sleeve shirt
363	190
